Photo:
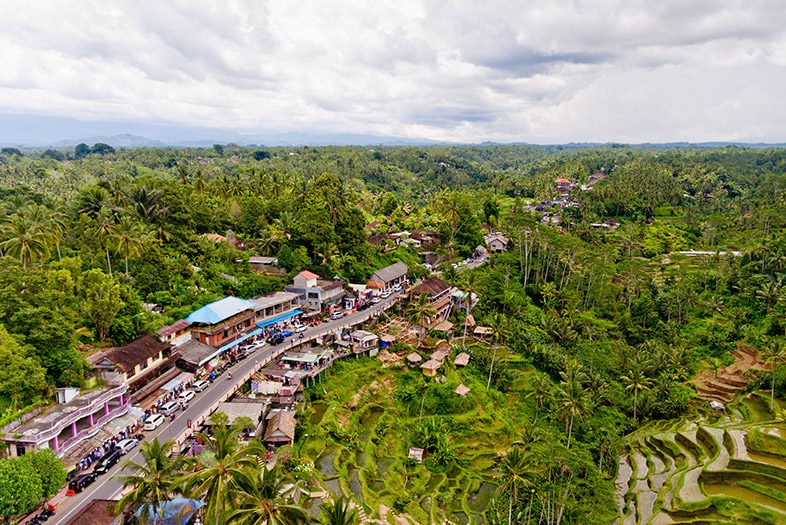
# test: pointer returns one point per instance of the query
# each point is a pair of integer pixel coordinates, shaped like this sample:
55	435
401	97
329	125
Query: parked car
169	408
287	333
385	294
397	287
153	422
337	315
300	328
126	445
186	396
376	299
276	339
108	461
81	482
256	346
199	386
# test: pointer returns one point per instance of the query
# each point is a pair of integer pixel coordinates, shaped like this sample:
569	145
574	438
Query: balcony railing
92	429
55	427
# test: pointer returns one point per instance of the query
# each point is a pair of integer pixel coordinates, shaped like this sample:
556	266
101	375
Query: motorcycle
44	515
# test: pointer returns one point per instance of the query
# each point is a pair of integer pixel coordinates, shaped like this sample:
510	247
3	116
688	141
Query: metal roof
216	312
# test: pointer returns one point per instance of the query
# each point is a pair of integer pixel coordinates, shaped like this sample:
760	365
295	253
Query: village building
144	365
176	333
365	342
438	298
222	322
317	294
424	237
363	292
413	359
430	367
276	307
390	276
196	357
462	390
461	360
497	242
261	263
97	512
230	238
245	408
75	417
280	429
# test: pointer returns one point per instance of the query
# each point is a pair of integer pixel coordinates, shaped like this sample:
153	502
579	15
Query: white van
153	422
169	408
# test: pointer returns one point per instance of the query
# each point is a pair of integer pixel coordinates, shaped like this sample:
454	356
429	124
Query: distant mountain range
36	131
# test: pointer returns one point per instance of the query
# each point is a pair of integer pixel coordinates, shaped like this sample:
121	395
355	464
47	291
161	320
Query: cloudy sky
540	71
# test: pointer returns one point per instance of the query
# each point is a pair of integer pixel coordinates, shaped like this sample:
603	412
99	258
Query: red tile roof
308	275
174	328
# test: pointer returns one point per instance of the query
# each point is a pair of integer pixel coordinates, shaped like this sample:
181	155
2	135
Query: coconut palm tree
470	287
541	391
636	381
514	474
217	480
130	239
151	481
25	238
105	230
418	313
261	500
775	357
572	400
338	512
769	292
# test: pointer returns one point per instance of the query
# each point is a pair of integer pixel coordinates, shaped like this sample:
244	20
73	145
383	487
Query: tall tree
151	482
105	230
130	239
218	481
261	500
26	238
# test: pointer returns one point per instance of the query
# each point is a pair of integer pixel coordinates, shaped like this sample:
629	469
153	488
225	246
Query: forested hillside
604	324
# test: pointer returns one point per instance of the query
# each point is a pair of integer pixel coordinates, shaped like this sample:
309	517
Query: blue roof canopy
279	318
240	340
216	312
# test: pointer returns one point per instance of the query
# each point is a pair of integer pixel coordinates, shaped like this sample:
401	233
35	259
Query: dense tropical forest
598	324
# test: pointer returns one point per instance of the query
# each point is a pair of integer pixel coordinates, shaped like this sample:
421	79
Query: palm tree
152	480
104	230
635	380
573	399
261	500
541	391
55	224
513	473
470	286
776	356
338	512
217	480
769	292
130	239
25	238
418	313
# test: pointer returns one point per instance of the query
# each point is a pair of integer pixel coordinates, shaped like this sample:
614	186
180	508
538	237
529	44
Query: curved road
204	404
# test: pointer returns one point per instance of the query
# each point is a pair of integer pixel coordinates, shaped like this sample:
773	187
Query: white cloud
539	70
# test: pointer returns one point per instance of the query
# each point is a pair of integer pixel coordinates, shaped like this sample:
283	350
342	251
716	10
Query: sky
533	71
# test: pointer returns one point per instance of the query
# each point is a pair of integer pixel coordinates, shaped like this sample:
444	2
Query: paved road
202	405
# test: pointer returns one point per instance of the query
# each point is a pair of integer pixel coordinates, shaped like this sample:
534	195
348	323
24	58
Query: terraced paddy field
357	437
727	469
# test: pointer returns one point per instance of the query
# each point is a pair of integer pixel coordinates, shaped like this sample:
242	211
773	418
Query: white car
169	408
153	422
199	386
126	445
397	287
385	294
337	315
186	396
300	328
376	300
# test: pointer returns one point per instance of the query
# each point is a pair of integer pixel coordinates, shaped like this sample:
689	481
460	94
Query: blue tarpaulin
240	340
278	318
179	511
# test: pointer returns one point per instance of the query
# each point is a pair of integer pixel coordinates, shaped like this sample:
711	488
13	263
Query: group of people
107	446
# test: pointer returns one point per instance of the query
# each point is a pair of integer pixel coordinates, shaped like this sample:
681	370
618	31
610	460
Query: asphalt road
105	487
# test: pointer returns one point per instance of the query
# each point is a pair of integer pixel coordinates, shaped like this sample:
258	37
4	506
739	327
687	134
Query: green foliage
26	481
